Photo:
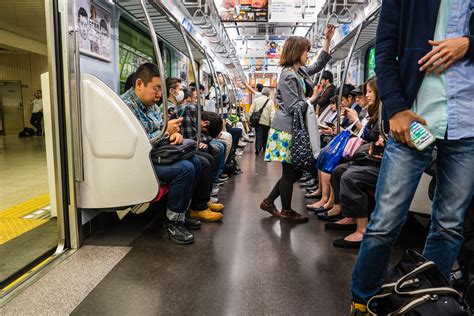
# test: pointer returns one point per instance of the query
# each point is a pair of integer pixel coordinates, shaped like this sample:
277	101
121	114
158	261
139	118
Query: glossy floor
250	264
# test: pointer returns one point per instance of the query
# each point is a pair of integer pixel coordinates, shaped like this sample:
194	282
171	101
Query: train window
135	48
370	63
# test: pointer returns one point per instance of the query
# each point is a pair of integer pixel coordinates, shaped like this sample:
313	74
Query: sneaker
359	309
248	140
219	181
214	199
215	191
177	233
251	134
239	152
215	207
292	216
207	215
242	143
309	183
223	177
191	223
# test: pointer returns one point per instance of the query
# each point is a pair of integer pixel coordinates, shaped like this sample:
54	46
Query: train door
34	222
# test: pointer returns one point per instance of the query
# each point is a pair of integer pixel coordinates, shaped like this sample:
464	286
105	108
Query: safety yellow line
22	277
27	207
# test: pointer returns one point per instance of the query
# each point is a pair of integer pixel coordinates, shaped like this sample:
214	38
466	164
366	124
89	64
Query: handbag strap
264	105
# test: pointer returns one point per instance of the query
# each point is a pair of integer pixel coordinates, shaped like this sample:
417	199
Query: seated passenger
201	206
326	91
181	175
353	181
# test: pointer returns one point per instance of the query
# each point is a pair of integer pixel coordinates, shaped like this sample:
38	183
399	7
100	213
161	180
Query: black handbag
255	117
167	154
416	287
301	152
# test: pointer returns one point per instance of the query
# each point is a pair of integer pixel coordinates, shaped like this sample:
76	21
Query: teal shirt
432	102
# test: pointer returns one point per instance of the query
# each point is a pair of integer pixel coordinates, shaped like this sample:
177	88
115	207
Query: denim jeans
181	177
400	174
223	148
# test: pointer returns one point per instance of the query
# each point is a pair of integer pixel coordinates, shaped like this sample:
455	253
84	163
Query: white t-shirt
210	106
37	105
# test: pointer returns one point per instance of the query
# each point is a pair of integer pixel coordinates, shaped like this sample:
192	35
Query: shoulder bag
166	154
255	117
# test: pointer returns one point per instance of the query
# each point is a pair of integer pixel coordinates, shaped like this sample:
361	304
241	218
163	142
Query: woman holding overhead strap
293	92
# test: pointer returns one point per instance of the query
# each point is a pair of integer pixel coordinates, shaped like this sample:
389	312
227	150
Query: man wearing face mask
201	206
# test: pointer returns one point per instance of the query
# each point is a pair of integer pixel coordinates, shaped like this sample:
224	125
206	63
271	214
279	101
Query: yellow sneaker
215	207
358	309
207	215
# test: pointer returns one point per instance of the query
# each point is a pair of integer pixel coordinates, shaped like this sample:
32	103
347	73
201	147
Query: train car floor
250	264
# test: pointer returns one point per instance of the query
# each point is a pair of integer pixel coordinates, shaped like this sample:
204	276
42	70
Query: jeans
35	120
222	151
261	135
181	179
400	173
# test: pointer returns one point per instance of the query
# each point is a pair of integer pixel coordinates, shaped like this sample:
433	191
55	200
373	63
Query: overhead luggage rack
369	30
166	26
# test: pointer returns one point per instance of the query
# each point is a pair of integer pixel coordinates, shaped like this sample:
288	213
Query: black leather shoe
329	218
177	233
342	243
312	189
192	224
335	226
311	196
308	183
317	210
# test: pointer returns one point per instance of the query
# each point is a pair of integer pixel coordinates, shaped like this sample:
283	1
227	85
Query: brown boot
292	216
269	207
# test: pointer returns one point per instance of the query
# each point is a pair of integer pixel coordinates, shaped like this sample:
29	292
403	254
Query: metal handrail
79	172
196	80
156	49
344	76
219	101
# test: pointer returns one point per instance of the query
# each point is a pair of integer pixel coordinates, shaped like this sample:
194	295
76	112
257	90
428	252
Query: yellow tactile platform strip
14	227
27	207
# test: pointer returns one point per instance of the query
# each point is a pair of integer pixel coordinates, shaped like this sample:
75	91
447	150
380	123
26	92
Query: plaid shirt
189	114
150	117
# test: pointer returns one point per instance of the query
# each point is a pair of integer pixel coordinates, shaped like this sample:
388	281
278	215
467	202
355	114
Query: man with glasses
181	175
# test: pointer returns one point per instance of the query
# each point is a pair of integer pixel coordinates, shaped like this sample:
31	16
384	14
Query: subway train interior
197	157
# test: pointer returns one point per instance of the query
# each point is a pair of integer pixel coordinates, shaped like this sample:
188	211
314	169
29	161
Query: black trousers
261	135
236	134
35	120
284	186
202	192
351	184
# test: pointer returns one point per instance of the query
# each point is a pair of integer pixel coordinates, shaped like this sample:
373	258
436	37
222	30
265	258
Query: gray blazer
290	93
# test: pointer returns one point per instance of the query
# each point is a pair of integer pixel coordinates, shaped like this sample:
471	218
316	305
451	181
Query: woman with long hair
293	91
354	182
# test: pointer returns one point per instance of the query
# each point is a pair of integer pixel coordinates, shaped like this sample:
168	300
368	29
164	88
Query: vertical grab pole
196	77
214	78
157	51
344	76
79	172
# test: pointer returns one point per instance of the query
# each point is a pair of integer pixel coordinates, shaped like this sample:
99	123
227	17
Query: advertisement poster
273	48
182	67
295	11
94	30
243	10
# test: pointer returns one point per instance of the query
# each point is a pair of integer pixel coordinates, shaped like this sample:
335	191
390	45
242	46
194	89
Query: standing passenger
428	79
290	95
263	126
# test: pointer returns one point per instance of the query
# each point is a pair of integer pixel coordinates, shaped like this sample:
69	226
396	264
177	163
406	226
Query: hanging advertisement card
243	10
94	30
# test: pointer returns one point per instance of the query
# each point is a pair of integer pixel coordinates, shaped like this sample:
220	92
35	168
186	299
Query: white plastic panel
116	151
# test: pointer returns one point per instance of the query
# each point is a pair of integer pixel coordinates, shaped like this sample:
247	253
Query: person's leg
289	177
454	189
34	121
266	129
258	138
39	126
223	150
241	126
325	186
236	134
203	187
227	139
180	177
212	161
400	173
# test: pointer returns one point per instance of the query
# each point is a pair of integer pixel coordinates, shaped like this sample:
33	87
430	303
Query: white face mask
180	96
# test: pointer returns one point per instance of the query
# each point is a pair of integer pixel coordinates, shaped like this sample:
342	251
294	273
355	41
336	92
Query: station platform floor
250	264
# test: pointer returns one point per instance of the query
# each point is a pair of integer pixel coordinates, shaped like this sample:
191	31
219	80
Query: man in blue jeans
425	73
182	175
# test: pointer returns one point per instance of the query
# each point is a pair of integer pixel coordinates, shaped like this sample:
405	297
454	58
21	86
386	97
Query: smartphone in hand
421	137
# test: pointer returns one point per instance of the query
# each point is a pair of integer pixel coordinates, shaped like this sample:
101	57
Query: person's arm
252	108
324	56
250	88
325	98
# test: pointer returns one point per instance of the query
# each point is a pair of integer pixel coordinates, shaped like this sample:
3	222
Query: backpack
255	117
27	132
